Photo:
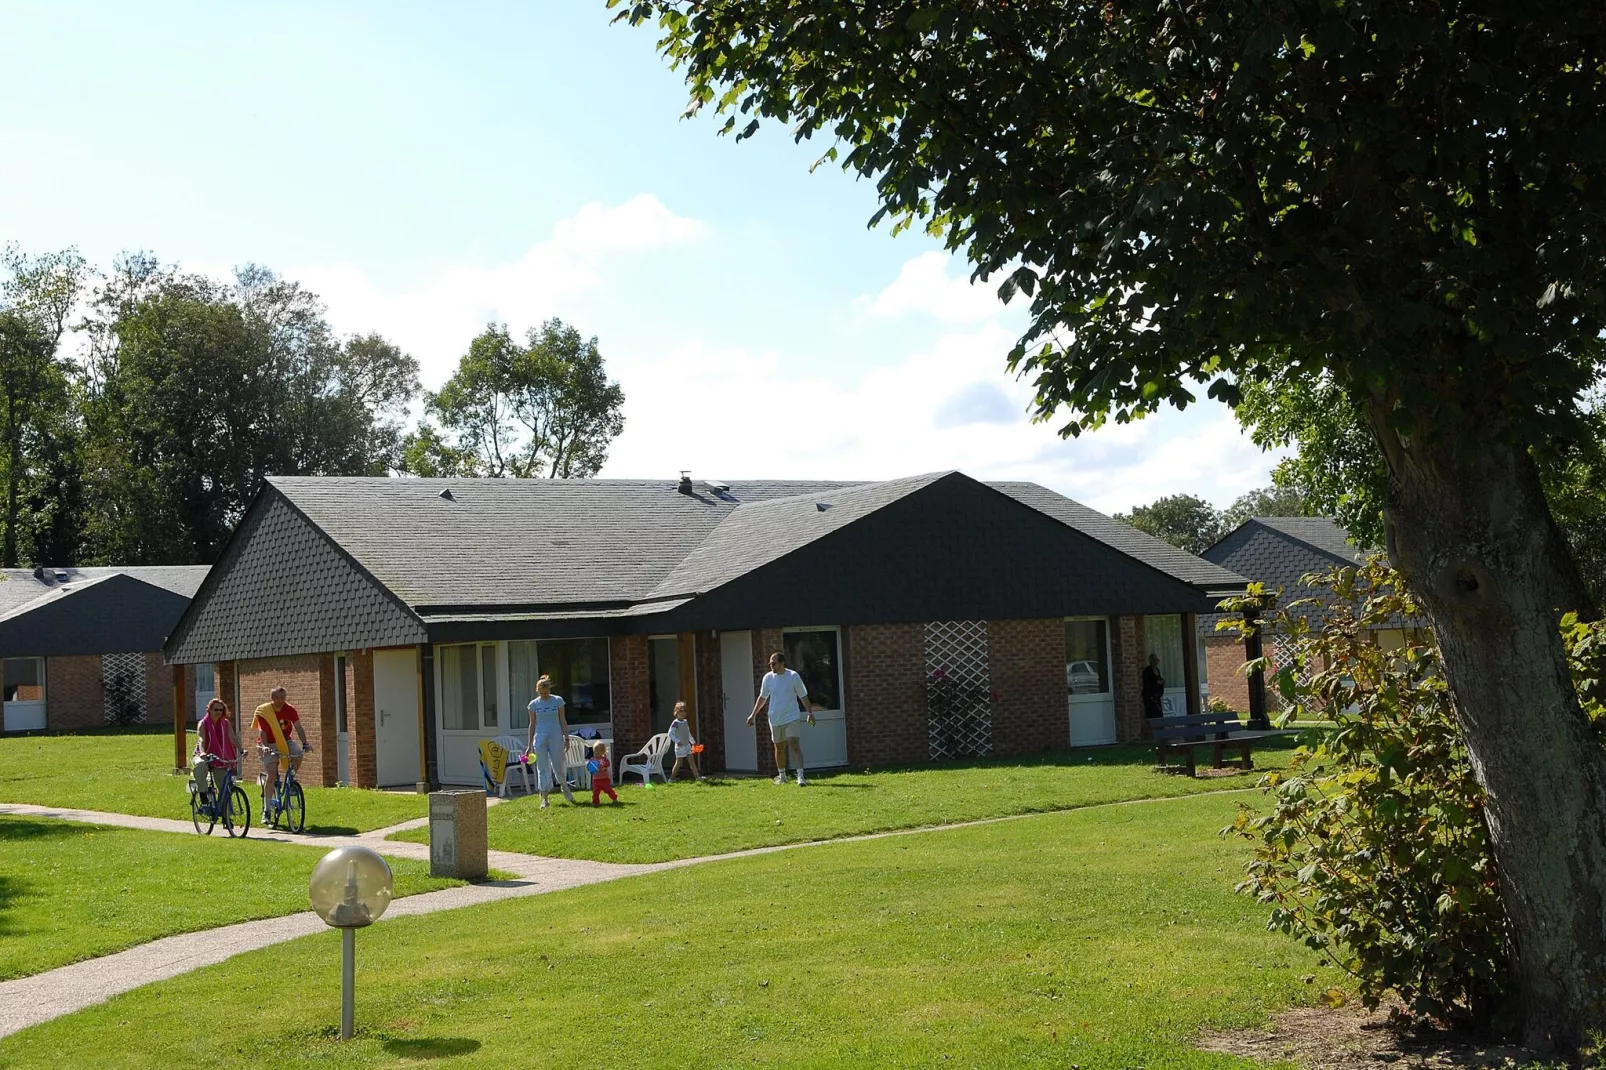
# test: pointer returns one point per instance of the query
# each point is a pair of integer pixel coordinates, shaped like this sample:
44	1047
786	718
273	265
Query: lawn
1096	939
130	771
70	892
688	819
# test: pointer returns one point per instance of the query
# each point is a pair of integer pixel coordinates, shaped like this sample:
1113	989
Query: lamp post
350	888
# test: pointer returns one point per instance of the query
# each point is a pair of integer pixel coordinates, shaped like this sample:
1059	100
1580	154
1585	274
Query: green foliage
542	408
1180	519
1279	499
1376	851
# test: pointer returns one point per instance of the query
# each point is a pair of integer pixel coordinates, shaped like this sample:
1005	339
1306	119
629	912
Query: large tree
198	389
37	296
544	408
1405	196
1180	519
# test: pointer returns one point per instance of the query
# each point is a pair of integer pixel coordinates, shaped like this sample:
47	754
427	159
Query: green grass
1095	939
688	819
130	771
70	892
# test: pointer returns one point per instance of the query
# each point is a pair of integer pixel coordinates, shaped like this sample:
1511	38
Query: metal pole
348	980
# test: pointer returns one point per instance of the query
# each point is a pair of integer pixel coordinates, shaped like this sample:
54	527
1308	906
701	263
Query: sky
429	168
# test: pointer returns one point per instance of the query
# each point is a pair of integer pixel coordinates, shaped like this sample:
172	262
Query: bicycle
226	802
289	802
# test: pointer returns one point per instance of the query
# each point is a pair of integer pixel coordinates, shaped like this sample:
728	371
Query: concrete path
32	1000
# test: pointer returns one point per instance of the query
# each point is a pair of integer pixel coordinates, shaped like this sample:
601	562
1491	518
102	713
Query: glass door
342	736
816	655
1087	681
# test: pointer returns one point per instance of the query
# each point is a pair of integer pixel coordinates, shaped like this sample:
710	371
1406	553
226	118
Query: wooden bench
1218	731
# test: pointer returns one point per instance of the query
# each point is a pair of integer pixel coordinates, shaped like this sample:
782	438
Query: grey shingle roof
19	586
1154	552
525	542
1318	532
1281	551
109	613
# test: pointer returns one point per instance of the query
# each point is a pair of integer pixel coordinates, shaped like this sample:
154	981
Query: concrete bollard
457	843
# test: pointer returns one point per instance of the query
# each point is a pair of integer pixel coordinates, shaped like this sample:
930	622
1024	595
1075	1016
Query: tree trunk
1469	528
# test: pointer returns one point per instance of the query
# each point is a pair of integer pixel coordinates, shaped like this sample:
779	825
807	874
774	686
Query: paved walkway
30	1001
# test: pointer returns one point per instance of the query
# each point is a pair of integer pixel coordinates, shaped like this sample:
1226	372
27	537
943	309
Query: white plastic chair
647	761
514	747
574	759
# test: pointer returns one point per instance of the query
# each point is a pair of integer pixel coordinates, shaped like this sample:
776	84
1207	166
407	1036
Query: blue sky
429	167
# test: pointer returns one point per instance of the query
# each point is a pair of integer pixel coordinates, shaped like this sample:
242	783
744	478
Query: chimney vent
447	495
38	572
685	483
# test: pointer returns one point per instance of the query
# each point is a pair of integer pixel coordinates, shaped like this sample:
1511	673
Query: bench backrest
1199	725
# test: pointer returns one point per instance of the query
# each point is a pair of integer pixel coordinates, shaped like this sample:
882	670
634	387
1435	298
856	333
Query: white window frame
841	679
481	729
1109	664
44	682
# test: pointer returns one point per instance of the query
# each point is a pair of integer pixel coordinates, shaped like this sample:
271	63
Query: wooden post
1257	679
1190	662
181	721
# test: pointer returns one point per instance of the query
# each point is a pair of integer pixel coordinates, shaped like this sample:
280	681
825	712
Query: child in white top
680	736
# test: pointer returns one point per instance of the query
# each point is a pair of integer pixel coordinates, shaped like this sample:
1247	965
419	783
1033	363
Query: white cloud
435	319
925	286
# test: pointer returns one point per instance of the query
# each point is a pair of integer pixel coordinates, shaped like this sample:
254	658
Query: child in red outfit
600	780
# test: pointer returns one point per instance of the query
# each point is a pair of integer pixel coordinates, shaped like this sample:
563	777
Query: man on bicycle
274	721
217	746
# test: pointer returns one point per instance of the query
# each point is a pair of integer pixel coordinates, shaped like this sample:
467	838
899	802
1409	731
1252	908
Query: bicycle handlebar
220	761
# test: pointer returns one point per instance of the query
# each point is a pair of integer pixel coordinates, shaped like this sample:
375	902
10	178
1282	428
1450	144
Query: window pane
340	694
205	680
488	684
521	677
460	690
24	679
1087	664
814	656
1163	636
579	671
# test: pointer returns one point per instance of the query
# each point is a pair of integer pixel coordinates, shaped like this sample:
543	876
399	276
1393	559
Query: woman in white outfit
549	735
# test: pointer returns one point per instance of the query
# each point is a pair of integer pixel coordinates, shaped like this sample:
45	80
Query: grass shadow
430	1047
25	828
330	830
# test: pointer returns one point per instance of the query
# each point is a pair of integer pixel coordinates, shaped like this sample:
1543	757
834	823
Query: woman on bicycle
547	738
214	736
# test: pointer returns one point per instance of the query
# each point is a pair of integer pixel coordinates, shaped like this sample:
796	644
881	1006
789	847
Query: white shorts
683	750
270	755
780	733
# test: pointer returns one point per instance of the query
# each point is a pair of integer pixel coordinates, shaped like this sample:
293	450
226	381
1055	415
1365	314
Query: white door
24	694
396	733
736	669
205	688
816	654
1087	681
342	727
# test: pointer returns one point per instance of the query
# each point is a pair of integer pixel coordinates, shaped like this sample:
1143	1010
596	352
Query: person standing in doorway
784	700
1153	688
547	739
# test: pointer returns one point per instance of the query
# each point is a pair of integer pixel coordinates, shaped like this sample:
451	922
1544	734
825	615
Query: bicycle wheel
201	812
295	808
237	819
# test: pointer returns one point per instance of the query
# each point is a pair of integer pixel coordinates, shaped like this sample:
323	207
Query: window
1087	656
24	679
815	656
460	688
1163	636
205	678
579	671
340	694
488	684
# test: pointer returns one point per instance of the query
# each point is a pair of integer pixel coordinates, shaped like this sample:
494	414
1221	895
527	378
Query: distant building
82	646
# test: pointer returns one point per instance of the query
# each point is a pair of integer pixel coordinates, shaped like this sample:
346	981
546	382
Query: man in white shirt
786	701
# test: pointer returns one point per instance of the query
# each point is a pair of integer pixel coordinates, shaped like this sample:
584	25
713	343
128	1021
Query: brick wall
710	703
74	693
884	672
301	675
363	755
766	642
159	690
1127	656
1030	708
632	698
1224	656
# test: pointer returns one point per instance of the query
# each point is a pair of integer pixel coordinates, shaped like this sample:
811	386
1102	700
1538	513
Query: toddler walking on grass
685	747
601	781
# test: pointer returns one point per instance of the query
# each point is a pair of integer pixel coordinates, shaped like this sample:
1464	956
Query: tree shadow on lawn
430	1047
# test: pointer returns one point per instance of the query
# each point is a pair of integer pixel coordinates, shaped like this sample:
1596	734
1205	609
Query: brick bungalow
83	646
931	617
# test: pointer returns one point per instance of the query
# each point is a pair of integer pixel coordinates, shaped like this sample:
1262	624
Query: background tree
1406	197
1180	519
1279	499
542	408
37	295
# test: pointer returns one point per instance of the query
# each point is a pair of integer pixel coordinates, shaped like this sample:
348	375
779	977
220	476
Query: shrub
1375	851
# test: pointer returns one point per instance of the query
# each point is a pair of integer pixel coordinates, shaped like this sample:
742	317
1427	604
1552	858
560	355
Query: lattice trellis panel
959	703
1285	650
122	679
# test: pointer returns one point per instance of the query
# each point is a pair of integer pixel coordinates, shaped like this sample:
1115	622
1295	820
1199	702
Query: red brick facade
362	757
710	726
1126	671
302	677
884	675
1027	662
75	693
629	683
766	642
1224	657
